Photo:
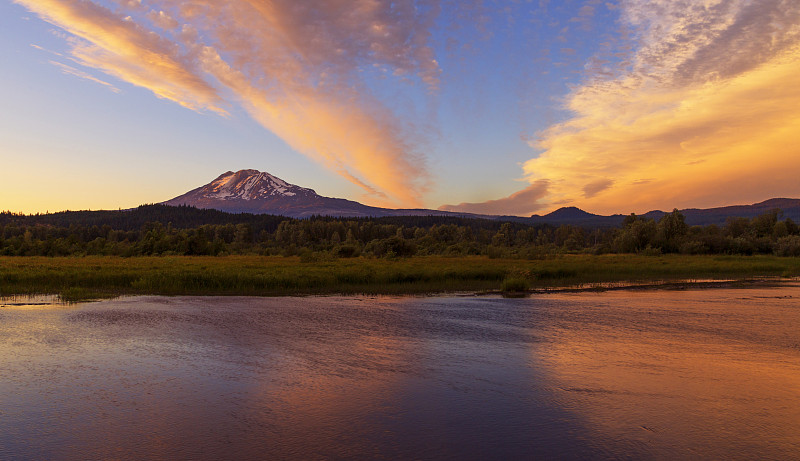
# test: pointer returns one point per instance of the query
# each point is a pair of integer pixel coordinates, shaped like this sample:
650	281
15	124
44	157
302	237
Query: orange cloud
345	138
521	203
69	70
710	110
127	51
296	67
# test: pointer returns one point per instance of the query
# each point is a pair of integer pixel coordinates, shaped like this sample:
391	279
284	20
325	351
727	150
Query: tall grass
88	277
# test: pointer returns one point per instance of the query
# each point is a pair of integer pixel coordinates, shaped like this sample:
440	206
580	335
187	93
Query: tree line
164	230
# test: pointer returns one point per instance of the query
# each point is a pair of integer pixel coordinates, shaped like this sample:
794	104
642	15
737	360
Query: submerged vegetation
144	251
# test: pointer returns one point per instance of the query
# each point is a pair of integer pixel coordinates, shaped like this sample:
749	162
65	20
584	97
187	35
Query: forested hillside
166	230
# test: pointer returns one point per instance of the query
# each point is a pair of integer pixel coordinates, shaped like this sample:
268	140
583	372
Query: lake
655	374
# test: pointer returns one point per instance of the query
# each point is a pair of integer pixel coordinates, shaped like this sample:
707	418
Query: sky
500	107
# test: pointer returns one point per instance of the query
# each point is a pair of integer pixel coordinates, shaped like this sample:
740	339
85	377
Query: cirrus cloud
105	40
296	67
708	107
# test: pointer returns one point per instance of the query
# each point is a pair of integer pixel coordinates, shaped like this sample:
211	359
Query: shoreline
665	285
766	281
52	299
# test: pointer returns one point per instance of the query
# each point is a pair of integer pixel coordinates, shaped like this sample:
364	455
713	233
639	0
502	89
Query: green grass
76	278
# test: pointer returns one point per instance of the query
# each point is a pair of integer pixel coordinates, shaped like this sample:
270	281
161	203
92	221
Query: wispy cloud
595	187
296	67
69	70
105	40
521	203
33	45
709	105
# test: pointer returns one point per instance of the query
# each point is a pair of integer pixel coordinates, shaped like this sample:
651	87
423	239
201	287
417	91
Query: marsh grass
515	287
79	294
76	278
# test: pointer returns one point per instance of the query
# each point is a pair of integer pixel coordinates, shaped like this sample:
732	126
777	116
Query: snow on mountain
251	185
253	191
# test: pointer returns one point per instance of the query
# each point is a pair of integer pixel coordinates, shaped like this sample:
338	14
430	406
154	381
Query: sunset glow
712	119
501	108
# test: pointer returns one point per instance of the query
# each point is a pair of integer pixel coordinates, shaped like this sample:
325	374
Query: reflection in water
711	373
651	374
30	301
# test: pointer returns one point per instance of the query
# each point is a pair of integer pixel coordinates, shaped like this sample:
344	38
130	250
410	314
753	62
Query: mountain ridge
718	215
253	191
790	208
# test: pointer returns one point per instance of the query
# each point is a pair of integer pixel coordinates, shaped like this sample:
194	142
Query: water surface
685	374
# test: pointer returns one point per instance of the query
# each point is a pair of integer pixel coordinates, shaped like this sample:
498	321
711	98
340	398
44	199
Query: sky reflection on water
656	374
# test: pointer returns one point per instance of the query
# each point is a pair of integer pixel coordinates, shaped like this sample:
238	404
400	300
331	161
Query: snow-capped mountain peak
251	185
253	191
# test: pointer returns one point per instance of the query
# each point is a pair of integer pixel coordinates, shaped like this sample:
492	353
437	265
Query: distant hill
576	217
703	217
189	217
694	216
180	217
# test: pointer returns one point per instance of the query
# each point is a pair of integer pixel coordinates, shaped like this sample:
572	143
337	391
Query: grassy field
77	278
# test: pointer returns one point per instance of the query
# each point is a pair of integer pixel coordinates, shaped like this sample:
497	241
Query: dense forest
165	230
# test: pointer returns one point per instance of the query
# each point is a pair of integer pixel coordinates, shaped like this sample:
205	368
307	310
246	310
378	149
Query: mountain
253	191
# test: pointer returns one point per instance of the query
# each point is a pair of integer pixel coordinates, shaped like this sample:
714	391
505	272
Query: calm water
647	375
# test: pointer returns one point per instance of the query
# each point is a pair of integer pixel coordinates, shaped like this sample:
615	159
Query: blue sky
510	107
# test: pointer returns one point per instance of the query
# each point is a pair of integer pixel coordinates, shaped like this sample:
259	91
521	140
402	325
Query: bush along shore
87	277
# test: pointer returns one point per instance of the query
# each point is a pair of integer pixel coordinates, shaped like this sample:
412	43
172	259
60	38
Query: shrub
347	251
515	285
693	247
788	246
651	251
